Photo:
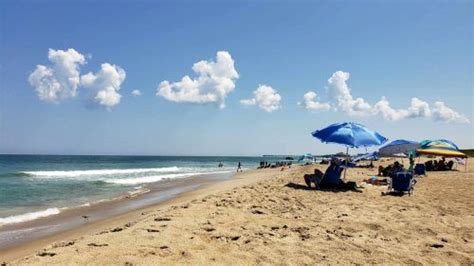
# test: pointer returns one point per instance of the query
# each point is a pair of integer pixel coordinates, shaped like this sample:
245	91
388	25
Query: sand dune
273	219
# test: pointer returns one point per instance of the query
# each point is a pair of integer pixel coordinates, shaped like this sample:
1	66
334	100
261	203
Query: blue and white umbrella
371	156
399	146
350	134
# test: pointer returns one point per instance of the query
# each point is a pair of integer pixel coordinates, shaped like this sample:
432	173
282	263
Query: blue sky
396	49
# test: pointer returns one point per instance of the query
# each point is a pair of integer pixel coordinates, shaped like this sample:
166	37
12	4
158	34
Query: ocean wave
156	178
146	179
10	175
100	172
28	216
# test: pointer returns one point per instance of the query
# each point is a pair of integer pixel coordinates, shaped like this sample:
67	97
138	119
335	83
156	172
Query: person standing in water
239	167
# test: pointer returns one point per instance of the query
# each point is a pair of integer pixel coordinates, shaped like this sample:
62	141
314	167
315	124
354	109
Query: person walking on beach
239	167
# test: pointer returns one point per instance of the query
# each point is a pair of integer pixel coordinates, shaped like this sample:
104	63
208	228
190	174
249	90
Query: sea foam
28	216
100	172
156	178
146	179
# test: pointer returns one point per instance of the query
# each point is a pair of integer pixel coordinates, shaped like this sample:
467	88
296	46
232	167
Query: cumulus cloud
265	97
62	79
136	93
59	80
310	102
342	98
417	108
214	81
443	113
105	84
339	89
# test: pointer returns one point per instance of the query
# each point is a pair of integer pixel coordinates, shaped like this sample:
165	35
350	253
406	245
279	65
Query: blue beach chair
420	169
402	182
332	176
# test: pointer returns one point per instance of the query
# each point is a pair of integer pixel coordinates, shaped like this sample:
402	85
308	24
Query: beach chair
402	182
330	179
420	169
332	176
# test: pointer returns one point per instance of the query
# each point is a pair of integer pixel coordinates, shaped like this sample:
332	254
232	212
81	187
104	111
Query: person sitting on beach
390	169
313	178
331	179
449	165
429	165
441	166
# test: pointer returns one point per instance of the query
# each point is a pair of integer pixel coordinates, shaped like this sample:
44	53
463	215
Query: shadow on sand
303	187
394	193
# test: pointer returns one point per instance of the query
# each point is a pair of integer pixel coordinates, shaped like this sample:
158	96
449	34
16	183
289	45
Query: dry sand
269	217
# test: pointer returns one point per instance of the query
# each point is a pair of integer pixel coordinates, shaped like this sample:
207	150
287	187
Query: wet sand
269	216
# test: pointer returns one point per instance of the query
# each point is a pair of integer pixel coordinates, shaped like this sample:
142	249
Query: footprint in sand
185	253
130	224
46	254
117	229
162	219
226	238
63	244
97	245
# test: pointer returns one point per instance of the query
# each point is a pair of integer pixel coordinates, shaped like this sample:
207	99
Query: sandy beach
270	217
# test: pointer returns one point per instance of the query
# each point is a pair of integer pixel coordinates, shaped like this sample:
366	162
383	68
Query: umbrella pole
347	158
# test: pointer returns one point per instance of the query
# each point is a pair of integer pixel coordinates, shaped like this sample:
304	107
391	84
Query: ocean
35	186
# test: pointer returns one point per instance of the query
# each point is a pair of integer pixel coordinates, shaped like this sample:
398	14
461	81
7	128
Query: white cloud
383	107
341	95
105	84
61	79
215	80
339	89
310	102
417	108
248	101
136	93
266	98
443	113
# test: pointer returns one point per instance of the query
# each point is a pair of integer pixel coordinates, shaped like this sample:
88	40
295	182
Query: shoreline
269	216
199	188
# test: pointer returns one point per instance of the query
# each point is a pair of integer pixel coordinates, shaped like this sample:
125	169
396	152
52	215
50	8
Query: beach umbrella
308	157
440	147
349	134
438	144
371	156
399	146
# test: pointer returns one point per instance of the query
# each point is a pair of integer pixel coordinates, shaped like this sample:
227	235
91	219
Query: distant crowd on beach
440	165
265	164
432	165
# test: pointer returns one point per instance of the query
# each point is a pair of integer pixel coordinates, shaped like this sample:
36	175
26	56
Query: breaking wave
100	172
28	216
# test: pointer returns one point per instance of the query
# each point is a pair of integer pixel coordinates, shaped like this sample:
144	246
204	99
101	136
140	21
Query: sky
234	78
